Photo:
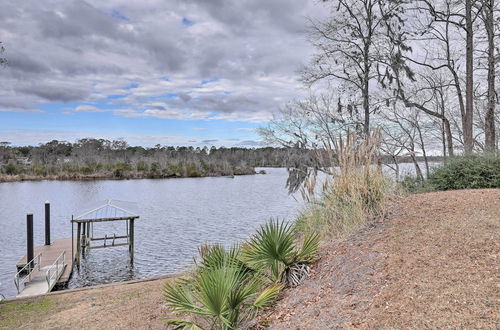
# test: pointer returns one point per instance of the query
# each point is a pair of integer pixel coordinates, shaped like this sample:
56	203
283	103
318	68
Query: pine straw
431	264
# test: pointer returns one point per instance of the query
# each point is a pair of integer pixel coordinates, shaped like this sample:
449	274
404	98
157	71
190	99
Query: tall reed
354	191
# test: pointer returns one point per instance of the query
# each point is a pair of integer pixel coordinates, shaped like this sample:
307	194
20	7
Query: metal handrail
17	277
50	274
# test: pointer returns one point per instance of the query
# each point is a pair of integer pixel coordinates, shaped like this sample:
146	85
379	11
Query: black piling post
29	232
47	223
131	240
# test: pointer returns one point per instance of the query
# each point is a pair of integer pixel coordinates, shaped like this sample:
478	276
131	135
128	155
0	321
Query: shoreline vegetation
120	172
99	159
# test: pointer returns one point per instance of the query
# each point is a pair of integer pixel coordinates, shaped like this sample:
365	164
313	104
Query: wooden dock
37	283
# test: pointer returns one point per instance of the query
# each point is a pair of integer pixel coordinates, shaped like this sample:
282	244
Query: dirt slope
432	263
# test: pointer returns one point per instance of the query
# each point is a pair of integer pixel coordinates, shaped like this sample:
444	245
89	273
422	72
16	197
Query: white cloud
76	51
88	108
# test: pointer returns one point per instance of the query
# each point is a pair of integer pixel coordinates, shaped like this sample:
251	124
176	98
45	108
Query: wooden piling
83	239
131	240
29	233
47	223
78	243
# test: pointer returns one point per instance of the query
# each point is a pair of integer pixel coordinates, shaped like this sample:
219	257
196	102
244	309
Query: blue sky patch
187	22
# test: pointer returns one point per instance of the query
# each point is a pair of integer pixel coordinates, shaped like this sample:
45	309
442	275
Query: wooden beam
107	238
105	219
106	246
78	244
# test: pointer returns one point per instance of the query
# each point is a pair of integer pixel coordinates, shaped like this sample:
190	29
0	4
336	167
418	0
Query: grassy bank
12	172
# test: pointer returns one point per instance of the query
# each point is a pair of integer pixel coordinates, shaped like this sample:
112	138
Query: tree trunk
489	120
422	145
366	93
469	80
449	137
446	130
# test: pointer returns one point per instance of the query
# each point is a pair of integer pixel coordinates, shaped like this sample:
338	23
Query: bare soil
433	262
128	305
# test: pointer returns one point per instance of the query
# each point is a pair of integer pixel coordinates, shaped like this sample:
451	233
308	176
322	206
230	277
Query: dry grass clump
354	191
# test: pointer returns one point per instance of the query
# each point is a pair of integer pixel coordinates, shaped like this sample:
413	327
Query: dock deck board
38	284
50	254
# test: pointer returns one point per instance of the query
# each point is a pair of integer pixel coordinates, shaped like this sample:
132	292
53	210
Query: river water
176	217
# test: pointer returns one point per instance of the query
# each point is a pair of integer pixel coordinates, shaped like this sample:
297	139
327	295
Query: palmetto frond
185	325
231	285
220	289
309	250
273	249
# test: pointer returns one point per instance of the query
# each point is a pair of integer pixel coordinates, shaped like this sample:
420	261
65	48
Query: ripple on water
177	216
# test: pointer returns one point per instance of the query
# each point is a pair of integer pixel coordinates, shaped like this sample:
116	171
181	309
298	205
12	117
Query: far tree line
100	158
117	158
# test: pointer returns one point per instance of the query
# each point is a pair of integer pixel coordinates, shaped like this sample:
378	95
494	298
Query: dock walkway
58	274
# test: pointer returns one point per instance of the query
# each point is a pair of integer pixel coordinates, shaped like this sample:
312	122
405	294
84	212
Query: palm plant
222	294
273	249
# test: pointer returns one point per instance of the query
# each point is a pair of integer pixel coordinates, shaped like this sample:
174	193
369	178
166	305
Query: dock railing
19	279
53	271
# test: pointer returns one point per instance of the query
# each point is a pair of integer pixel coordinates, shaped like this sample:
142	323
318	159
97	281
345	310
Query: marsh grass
354	191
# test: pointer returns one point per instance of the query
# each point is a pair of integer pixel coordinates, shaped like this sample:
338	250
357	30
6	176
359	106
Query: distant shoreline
4	178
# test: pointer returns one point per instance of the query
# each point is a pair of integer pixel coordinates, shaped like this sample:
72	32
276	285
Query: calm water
176	217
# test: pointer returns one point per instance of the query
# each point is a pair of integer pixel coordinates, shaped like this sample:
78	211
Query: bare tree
450	12
349	45
488	18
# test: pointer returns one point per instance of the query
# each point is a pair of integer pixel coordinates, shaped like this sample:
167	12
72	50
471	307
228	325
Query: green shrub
11	169
467	172
412	184
142	167
87	170
155	168
37	170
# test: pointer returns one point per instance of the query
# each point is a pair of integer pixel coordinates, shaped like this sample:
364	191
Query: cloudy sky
176	72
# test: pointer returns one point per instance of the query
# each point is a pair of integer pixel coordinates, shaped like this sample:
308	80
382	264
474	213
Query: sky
170	72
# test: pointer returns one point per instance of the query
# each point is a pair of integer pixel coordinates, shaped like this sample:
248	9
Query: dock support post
84	238
72	241
29	232
78	243
131	241
47	223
